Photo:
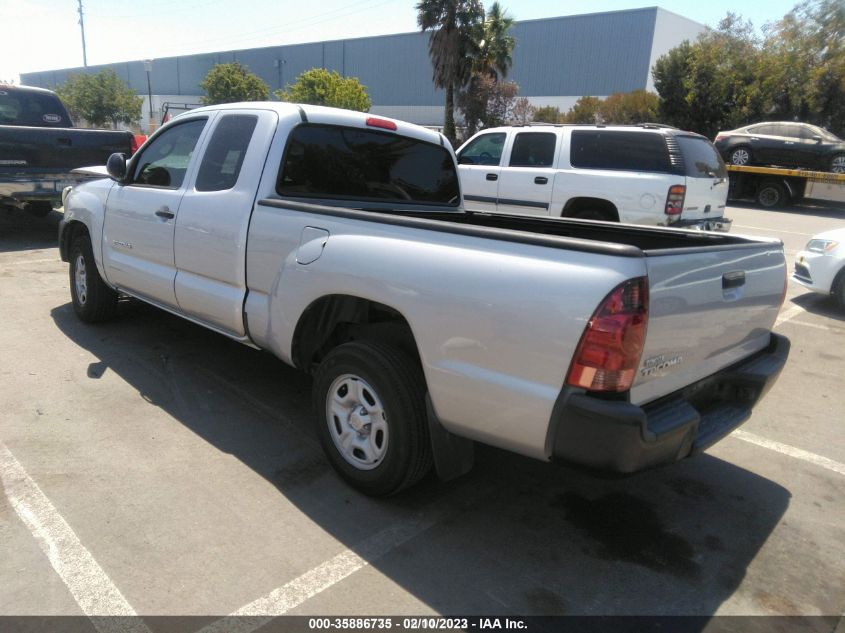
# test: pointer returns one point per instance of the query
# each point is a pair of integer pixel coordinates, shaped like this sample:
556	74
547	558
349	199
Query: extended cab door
525	185
211	229
478	168
141	214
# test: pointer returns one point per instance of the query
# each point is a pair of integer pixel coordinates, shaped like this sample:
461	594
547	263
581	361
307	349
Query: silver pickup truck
338	242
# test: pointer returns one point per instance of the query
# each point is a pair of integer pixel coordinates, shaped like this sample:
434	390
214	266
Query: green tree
232	83
548	114
451	46
100	98
522	112
490	103
803	64
626	108
492	59
496	44
318	86
714	83
586	110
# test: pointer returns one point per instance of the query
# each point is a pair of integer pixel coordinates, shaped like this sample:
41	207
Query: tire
771	194
837	163
93	301
39	208
838	290
740	156
353	384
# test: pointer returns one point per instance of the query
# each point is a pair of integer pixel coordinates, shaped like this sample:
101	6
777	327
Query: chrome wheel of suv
740	156
837	164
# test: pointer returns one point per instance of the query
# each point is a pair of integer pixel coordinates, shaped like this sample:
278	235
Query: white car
821	265
637	174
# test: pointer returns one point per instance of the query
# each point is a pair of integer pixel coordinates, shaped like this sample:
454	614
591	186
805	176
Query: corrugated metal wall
596	54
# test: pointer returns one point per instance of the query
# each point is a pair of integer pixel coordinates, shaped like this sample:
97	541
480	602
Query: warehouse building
555	61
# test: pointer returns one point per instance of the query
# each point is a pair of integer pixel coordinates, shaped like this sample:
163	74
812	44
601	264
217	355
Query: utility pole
82	26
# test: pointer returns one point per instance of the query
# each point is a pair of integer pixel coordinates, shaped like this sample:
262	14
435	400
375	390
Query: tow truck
778	186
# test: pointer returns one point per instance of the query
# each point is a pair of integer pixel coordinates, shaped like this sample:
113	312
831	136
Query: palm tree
451	46
496	45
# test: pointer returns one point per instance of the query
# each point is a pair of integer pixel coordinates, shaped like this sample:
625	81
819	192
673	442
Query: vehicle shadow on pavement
822	305
515	536
20	231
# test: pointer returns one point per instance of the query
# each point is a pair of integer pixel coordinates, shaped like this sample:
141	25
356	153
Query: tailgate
709	308
43	148
705	198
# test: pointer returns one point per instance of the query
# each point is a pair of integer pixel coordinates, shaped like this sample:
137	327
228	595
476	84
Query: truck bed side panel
496	322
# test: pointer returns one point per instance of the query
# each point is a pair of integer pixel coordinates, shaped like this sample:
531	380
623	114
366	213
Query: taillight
133	144
382	123
610	348
720	137
675	200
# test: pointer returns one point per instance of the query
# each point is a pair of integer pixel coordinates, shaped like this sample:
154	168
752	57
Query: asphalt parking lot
152	467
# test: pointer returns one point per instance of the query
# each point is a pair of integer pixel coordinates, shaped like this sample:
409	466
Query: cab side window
222	161
165	161
484	150
533	149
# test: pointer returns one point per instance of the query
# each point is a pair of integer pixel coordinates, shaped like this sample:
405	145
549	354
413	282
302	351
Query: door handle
63	140
492	176
541	180
165	213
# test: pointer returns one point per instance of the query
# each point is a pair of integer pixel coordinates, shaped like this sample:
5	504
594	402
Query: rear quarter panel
496	322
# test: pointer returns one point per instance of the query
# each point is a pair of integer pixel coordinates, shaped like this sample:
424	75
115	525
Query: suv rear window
610	149
329	161
701	158
38	109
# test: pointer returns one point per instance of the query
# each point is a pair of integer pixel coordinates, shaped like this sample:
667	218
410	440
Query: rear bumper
17	189
722	224
620	437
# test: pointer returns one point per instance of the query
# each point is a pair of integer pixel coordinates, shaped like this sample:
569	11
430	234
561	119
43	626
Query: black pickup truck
39	147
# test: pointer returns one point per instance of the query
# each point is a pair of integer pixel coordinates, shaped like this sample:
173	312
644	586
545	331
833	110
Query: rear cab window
345	163
619	150
36	109
701	160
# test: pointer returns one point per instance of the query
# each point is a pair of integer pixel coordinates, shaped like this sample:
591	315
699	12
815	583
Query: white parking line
89	585
760	228
791	451
791	313
292	594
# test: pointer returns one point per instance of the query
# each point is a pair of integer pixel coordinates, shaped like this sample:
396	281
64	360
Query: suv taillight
610	348
720	137
675	200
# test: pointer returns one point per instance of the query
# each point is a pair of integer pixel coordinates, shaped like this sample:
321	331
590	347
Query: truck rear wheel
771	194
371	417
93	300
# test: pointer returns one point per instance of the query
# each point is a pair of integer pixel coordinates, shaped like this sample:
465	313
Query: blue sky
44	34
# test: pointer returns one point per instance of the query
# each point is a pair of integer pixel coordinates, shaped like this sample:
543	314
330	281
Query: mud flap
453	455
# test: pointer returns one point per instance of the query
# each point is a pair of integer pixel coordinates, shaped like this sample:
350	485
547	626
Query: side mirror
817	138
116	167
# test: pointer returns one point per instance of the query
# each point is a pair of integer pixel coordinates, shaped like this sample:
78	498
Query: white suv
643	174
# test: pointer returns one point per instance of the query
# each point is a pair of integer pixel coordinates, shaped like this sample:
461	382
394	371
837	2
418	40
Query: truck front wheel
93	300
369	400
